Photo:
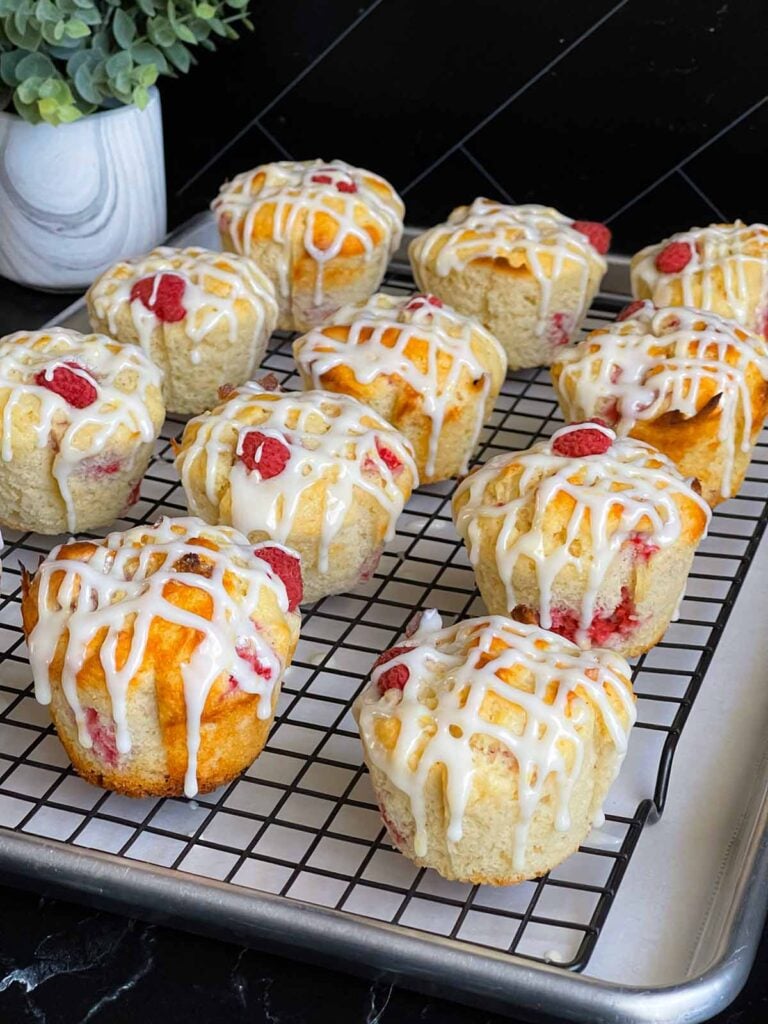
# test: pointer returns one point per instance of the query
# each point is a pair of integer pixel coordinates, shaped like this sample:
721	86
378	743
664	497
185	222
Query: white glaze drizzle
120	587
725	247
657	361
623	479
446	687
206	309
343	455
490	230
446	333
78	434
297	203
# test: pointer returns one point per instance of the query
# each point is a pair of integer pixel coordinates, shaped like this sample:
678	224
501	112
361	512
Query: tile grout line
276	99
678	166
486	174
702	194
271	138
515	95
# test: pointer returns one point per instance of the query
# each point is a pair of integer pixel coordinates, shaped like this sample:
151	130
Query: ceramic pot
78	197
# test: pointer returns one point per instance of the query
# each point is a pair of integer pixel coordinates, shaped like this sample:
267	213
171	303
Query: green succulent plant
63	59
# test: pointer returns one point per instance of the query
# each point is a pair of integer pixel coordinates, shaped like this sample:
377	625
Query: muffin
431	372
321	473
449	718
161	651
80	415
527	273
204	317
586	534
322	232
722	269
689	383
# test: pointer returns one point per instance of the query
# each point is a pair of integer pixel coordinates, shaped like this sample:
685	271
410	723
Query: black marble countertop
66	964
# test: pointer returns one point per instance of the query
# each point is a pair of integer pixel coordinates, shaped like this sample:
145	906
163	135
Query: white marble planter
75	198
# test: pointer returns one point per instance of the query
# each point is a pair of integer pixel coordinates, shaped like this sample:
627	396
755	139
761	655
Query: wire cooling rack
302	821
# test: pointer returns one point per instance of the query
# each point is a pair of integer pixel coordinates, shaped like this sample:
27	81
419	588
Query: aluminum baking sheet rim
418	960
394	953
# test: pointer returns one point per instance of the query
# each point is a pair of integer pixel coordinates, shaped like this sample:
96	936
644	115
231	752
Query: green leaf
148	6
86	86
185	34
28	111
35	65
76	28
29	39
124	29
9	63
27	91
45	10
146	53
140	97
146	75
69	113
179	56
160	32
205	11
119	63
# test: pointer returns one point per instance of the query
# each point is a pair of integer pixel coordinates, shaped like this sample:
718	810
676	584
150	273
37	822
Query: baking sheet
301	823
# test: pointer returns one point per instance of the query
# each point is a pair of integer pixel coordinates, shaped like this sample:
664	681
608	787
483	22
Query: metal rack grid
302	821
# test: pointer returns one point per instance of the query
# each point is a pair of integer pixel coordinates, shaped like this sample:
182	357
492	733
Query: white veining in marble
76	198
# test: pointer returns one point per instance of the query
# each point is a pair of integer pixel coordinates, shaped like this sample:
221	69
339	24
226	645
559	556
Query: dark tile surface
629	111
62	964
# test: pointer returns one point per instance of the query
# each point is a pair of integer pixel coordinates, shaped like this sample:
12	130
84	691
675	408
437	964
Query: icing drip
120	586
663	360
330	438
489	230
733	249
365	351
214	285
631	479
440	711
76	434
303	194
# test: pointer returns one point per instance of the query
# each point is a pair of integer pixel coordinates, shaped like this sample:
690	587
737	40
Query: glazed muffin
451	715
322	232
527	273
431	372
585	534
722	269
689	383
204	317
319	472
80	415
161	651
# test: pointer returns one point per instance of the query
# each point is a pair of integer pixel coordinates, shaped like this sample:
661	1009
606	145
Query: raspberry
322	179
388	457
420	300
251	657
674	257
643	547
77	388
102	733
346	186
266	455
598	234
396	677
630	310
161	294
559	331
288	568
135	494
575	444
